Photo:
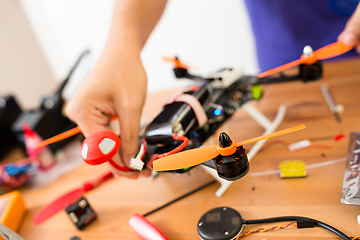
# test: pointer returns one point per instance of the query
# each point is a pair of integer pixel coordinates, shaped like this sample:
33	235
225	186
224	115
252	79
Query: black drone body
219	95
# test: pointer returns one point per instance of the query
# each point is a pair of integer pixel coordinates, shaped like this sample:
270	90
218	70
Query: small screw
200	224
224	208
226	233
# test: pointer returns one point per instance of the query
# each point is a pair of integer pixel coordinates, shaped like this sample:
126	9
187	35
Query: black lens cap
222	223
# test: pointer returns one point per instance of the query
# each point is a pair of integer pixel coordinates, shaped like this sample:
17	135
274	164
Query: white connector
137	163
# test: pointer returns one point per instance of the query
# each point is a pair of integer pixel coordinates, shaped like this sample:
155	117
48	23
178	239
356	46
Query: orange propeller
196	156
58	137
177	63
64	135
309	57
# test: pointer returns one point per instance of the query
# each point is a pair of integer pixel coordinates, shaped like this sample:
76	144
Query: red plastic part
145	229
94	154
118	167
57	205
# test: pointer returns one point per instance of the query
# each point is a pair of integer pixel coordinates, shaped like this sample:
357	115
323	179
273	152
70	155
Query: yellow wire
285	225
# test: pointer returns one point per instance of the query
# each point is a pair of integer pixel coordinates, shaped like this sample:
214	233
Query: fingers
113	89
351	34
129	119
128	102
91	120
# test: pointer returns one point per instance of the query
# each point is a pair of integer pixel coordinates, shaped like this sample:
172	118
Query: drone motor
234	166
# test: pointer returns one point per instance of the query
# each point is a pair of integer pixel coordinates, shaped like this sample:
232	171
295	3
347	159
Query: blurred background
40	40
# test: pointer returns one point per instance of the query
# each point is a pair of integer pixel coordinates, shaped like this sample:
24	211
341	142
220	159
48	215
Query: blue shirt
282	28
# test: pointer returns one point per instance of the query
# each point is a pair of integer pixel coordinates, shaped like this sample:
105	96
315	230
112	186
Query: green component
256	91
186	169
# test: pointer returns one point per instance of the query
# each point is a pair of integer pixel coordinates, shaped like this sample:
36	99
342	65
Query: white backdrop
206	34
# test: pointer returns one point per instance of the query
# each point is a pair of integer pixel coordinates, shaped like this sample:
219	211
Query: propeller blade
57	205
196	156
68	198
328	51
332	50
280	68
185	159
177	63
64	135
271	135
58	137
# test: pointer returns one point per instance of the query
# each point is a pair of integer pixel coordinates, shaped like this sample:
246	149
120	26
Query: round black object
222	223
234	166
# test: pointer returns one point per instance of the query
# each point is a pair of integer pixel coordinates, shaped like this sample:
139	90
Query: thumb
351	34
129	120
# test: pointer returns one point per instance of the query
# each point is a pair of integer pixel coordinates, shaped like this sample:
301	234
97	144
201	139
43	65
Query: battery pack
12	210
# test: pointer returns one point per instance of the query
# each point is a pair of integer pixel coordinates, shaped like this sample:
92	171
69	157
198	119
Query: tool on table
330	102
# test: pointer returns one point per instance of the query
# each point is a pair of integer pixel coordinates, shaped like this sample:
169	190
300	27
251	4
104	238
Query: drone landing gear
269	128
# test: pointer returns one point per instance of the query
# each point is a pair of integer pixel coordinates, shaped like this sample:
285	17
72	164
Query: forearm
132	24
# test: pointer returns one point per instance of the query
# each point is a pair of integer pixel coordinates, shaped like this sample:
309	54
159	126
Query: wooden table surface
316	196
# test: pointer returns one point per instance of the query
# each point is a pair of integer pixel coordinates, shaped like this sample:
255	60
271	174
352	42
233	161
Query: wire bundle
301	222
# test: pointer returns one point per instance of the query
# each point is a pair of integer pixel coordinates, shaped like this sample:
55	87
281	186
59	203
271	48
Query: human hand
116	86
350	36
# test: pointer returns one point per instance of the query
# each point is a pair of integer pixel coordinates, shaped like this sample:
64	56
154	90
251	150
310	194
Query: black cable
297	218
62	86
179	198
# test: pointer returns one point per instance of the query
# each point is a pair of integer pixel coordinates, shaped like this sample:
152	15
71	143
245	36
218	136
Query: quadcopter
173	141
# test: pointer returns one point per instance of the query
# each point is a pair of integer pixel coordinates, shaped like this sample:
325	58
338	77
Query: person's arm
117	84
350	36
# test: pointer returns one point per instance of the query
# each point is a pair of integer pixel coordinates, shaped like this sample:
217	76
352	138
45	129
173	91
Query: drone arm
184	73
306	73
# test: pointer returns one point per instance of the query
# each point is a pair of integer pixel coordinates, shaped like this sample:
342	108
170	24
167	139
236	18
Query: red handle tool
145	229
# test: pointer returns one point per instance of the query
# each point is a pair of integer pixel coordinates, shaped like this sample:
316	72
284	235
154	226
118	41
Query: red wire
177	149
118	167
144	144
